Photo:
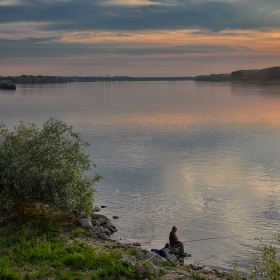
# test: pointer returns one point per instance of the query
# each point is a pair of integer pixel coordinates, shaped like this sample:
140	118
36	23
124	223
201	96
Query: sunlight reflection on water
202	156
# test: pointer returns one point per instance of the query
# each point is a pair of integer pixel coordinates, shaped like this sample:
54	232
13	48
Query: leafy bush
235	275
44	166
266	262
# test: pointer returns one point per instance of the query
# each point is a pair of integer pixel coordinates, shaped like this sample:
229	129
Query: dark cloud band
95	15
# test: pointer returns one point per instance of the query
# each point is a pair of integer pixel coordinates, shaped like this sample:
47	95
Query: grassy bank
41	250
45	247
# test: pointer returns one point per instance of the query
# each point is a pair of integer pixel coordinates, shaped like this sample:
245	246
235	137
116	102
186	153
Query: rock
86	223
151	254
155	258
104	236
97	232
83	215
140	256
115	217
95	222
147	269
206	269
110	226
136	244
106	231
181	260
194	267
96	209
142	270
174	250
101	221
103	206
97	216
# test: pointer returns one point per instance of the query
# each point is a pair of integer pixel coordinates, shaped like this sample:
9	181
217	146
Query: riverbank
149	263
80	246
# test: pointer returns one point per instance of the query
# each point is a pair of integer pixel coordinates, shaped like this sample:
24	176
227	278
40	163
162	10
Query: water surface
202	156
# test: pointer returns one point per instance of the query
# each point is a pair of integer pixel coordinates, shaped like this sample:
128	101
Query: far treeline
29	79
271	74
267	74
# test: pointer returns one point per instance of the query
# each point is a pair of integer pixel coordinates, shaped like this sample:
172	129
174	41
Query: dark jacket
173	239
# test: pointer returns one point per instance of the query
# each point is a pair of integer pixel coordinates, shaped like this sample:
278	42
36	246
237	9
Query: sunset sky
137	37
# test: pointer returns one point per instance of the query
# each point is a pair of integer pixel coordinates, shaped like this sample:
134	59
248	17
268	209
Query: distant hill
266	74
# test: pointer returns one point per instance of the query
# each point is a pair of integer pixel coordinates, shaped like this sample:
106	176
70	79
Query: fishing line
216	255
208	238
212	256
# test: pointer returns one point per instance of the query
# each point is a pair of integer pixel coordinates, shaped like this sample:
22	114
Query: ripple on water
202	156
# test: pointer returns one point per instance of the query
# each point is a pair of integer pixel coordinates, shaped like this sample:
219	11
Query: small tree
45	166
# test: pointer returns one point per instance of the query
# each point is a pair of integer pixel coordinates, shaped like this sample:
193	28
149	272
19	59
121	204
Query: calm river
202	156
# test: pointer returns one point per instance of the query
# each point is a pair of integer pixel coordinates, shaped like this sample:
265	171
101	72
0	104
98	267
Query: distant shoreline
30	79
271	74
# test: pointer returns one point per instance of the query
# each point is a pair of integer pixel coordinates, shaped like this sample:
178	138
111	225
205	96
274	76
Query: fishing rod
194	240
146	260
212	256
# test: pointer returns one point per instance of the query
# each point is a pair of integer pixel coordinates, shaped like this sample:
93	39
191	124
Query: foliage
44	166
30	79
168	263
197	276
235	275
133	252
266	262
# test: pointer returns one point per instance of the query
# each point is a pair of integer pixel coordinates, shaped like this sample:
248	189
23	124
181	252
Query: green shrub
235	275
266	260
44	167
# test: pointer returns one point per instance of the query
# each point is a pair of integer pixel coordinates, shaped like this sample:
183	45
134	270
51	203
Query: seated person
174	242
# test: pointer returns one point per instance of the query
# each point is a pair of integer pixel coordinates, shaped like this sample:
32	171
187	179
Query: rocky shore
146	262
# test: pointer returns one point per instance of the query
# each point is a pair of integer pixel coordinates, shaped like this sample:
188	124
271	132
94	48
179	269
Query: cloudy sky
137	37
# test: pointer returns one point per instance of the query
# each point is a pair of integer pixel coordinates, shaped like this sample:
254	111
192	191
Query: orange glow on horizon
228	42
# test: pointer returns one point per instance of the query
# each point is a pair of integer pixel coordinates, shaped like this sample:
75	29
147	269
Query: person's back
173	239
174	242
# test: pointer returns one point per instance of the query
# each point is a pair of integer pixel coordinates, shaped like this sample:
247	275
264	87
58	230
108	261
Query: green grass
197	276
168	263
133	251
118	246
37	252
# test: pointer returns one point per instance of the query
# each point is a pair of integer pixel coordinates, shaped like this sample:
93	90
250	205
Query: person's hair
173	228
